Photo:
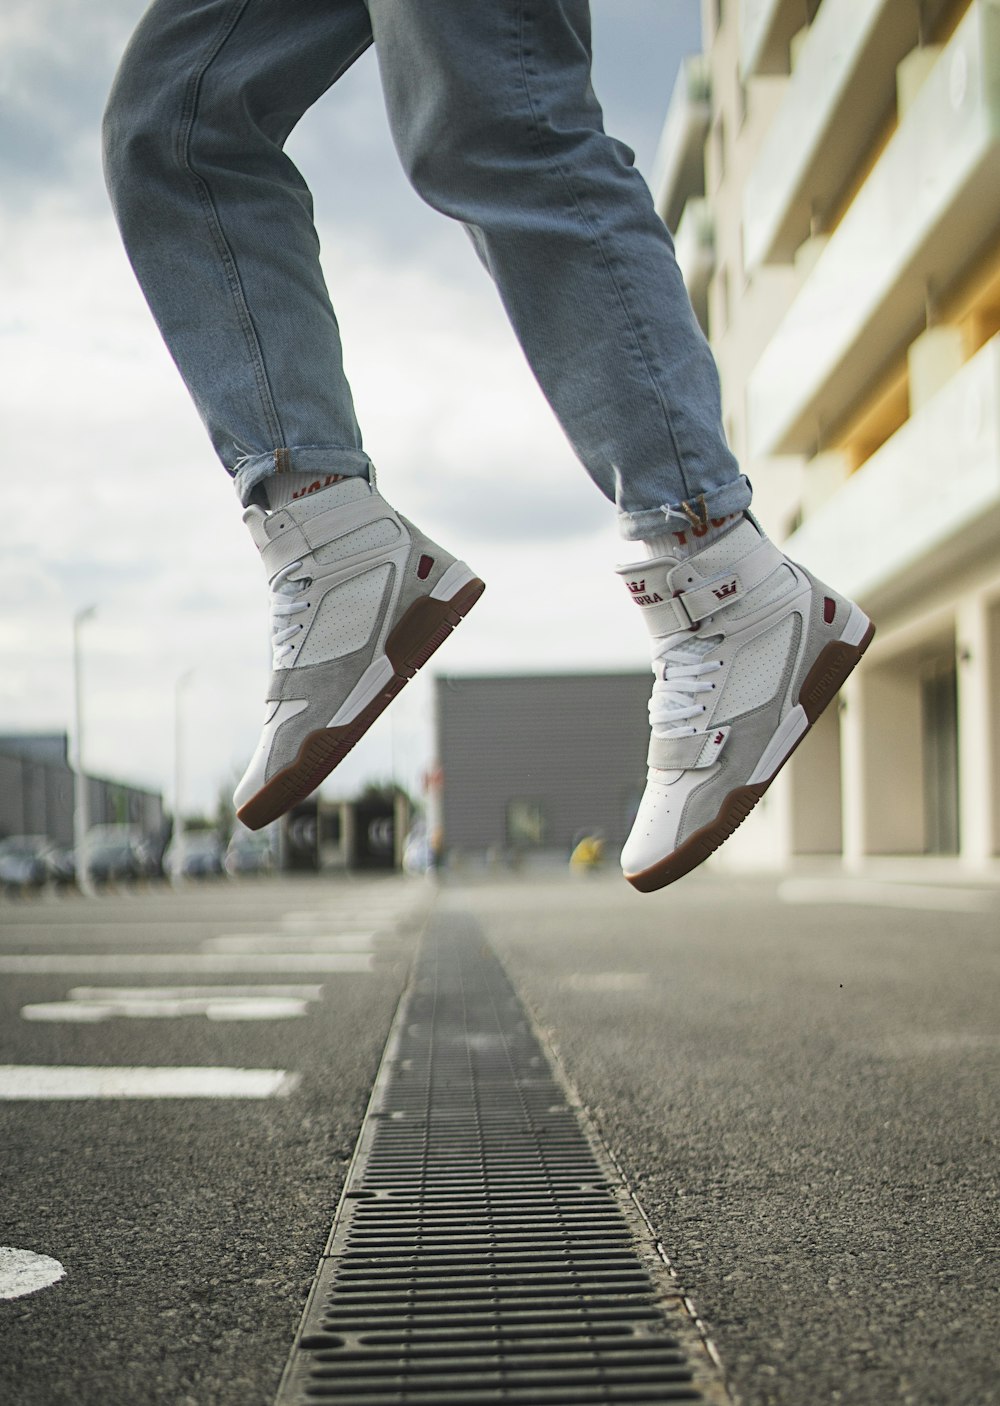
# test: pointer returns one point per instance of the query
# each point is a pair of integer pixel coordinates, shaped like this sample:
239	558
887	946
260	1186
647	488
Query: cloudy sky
114	498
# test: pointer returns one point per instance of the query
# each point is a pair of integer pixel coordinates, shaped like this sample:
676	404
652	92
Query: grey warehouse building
36	792
534	762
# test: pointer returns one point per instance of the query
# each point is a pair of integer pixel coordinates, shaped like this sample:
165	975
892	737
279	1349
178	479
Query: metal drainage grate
485	1249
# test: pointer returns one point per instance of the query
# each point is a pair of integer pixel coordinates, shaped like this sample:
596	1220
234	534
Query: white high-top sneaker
748	649
360	599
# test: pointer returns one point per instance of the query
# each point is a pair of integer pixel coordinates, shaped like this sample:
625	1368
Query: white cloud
113	496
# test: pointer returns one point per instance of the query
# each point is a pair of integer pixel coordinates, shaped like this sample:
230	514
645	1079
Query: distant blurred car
120	852
61	864
248	852
114	860
24	862
196	855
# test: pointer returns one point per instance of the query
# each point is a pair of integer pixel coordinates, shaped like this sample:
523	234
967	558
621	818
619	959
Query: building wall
567	750
851	178
37	793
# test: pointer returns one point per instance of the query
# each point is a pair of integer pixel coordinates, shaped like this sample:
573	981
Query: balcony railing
924	212
694	244
679	169
832	109
766	27
937	475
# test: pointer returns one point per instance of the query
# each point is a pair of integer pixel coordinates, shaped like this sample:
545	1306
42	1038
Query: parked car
120	852
24	862
61	864
197	854
248	852
115	859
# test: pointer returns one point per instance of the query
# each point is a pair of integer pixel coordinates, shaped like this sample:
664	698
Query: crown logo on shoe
725	591
638	589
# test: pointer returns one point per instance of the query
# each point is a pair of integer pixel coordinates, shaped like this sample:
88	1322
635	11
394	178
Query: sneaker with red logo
748	649
360	599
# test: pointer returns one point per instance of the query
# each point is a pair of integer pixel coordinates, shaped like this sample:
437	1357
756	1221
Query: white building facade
841	241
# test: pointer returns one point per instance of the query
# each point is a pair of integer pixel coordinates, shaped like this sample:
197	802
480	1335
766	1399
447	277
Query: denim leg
497	125
218	222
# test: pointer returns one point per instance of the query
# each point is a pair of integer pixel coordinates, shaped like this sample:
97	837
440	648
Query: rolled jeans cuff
302	459
656	522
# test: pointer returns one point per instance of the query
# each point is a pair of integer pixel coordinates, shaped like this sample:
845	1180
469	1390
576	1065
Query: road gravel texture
802	1094
805	1099
190	1229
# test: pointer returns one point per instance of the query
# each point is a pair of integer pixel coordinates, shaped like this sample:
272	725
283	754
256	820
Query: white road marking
607	981
23	1272
20	1082
872	893
215	1008
919	1044
132	963
365	917
170	993
91	1004
320	942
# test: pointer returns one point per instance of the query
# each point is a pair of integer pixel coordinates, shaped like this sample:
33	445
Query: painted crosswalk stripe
216	1008
169	993
23	1082
133	963
879	894
314	942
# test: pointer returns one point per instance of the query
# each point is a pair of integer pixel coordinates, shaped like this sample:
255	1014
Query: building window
525	824
718	12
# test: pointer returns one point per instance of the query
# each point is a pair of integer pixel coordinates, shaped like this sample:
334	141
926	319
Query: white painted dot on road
32	1082
25	1272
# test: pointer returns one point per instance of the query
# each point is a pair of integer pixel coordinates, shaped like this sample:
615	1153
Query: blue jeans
496	123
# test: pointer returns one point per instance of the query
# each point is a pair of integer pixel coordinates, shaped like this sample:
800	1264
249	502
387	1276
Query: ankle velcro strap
294	540
699	749
707	597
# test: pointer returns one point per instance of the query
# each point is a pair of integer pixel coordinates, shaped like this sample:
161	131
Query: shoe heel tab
255	518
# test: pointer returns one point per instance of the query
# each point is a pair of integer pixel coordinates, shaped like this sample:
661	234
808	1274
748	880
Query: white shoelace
679	682
284	591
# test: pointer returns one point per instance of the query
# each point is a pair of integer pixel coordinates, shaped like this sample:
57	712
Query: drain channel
485	1248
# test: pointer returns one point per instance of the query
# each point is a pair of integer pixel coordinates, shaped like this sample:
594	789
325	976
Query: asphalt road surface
799	1081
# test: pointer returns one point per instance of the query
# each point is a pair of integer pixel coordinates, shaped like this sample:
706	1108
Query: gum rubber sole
833	665
421	631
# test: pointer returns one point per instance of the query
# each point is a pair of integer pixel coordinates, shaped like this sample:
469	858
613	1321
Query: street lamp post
178	835
81	816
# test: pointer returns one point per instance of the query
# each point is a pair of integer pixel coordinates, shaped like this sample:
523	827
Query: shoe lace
286	593
680	669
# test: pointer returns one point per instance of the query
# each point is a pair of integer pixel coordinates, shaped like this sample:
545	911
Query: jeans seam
596	242
227	257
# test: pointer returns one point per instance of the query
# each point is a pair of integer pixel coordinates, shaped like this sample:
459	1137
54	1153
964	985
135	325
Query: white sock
685	541
282	489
